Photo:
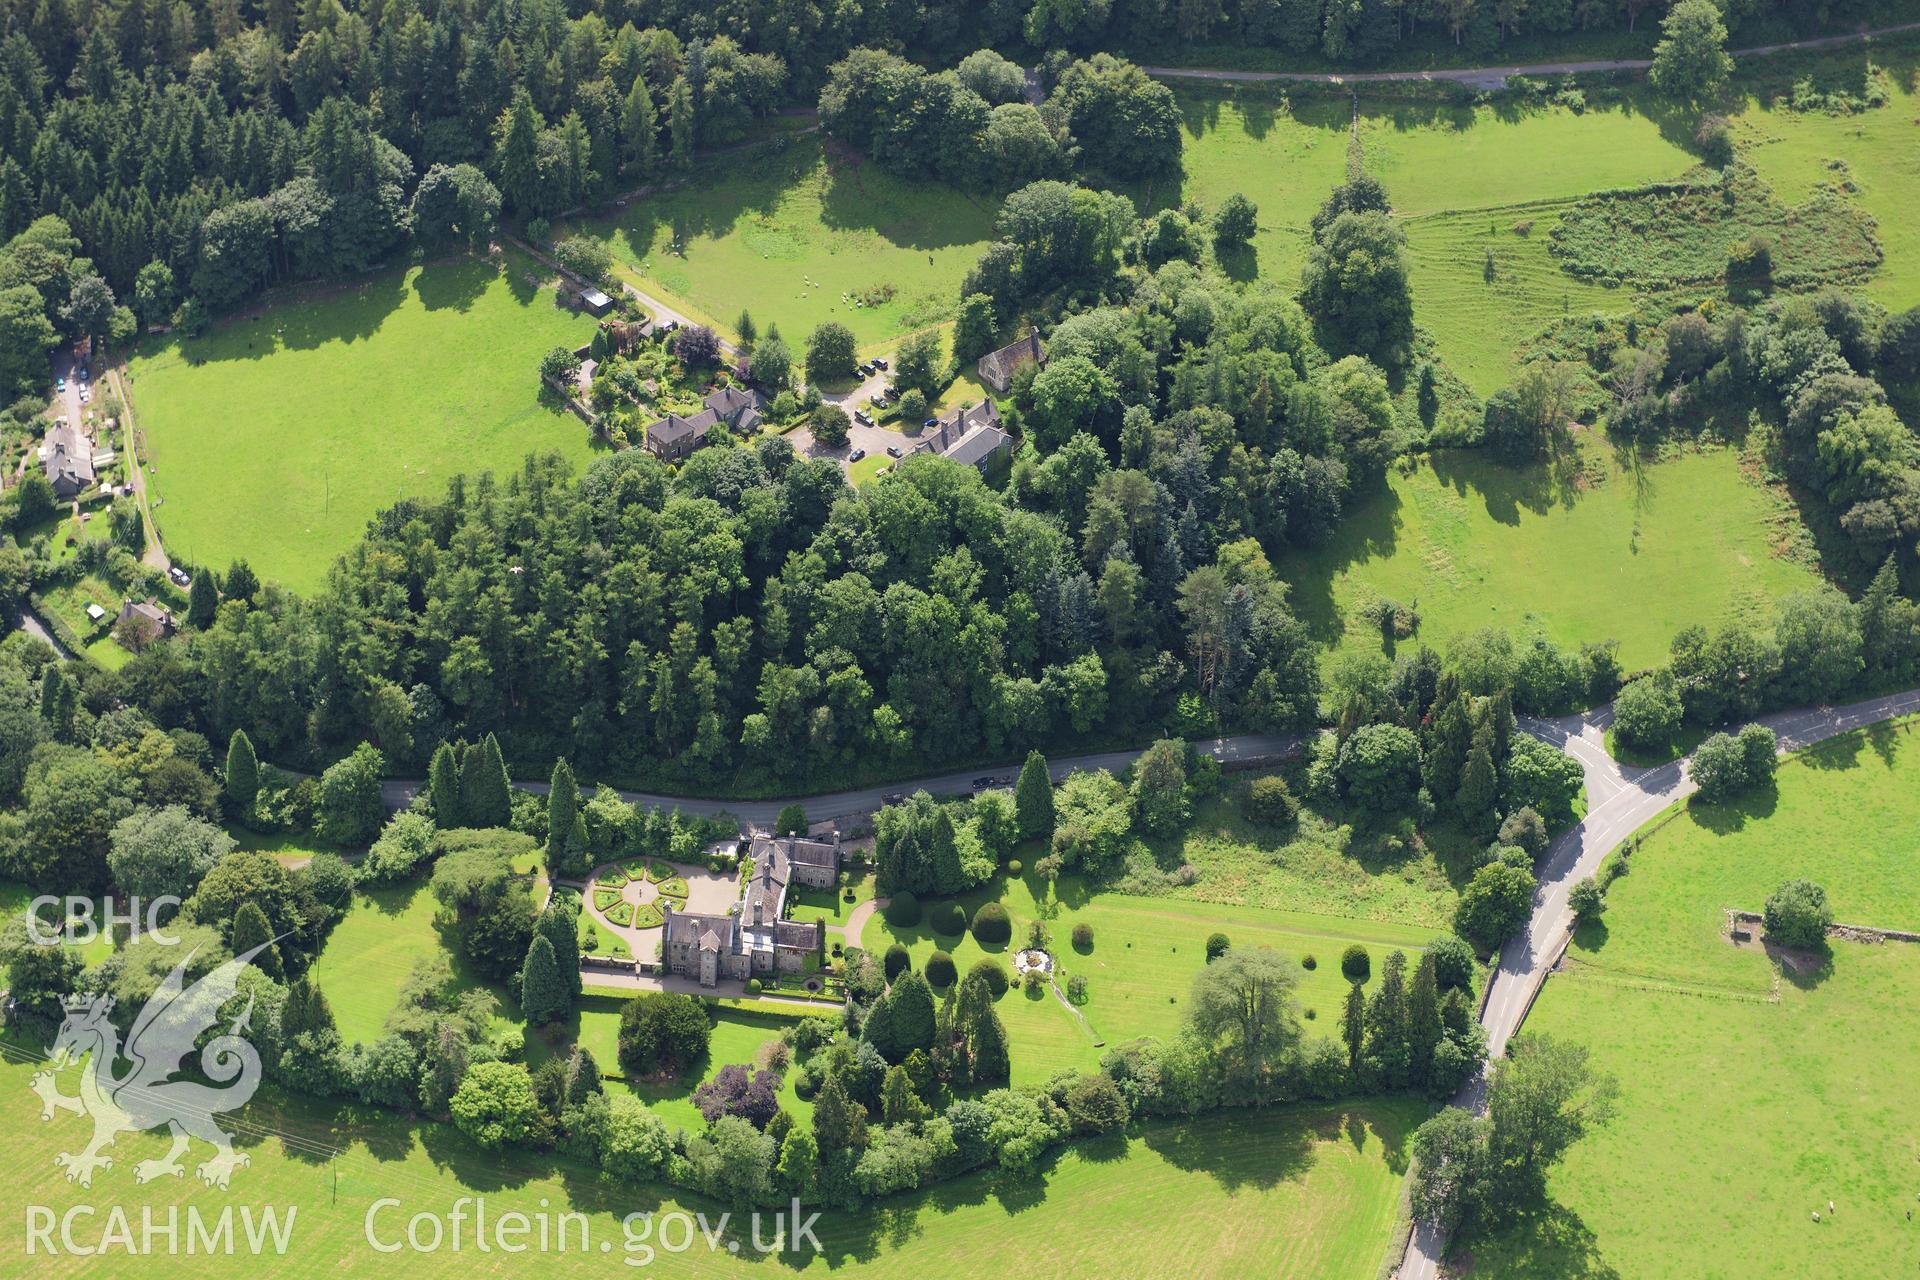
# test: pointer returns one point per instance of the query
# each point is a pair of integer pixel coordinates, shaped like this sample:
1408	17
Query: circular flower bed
658	871
621	913
674	888
1032	960
646	916
604	898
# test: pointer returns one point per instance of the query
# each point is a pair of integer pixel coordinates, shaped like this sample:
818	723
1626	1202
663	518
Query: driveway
67	403
875	440
1622	799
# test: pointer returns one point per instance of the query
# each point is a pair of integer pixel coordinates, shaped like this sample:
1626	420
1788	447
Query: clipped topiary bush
1217	946
902	910
1452	962
994	972
1013	867
1309	963
1356	964
896	961
1083	937
940	970
991	927
754	987
1271	802
949	919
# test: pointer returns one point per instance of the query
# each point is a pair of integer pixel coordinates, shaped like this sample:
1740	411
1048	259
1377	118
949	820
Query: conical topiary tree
484	796
1033	799
243	773
560	926
543	989
443	786
203	601
563	806
250	930
583	1077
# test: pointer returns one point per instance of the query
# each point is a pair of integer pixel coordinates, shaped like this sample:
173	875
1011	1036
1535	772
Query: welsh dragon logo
144	1095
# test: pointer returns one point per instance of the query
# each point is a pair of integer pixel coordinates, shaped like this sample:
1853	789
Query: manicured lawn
737	1037
1291	1193
868	469
1749	1096
69	602
798	238
830	905
1144	955
14	898
292	847
1623	550
370	952
276	437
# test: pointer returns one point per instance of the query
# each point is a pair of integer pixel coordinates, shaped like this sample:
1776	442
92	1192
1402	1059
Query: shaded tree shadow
1804	969
1552	1240
295	319
1241	264
1840	752
860	196
453	284
1506	489
1724	817
1368	530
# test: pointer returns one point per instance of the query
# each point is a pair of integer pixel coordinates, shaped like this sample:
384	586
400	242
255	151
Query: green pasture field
1618	549
1296	1193
794	236
1795	150
1145	953
1752	1093
1452	172
275	436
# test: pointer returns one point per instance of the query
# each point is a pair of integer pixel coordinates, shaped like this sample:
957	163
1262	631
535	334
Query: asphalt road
1495	77
1244	751
29	621
1621	799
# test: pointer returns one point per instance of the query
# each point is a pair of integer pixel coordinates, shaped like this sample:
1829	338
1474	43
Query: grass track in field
1750	1113
1633	554
1479	323
276	437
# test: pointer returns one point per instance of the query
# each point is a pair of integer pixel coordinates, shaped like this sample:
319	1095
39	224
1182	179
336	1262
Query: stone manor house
753	940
